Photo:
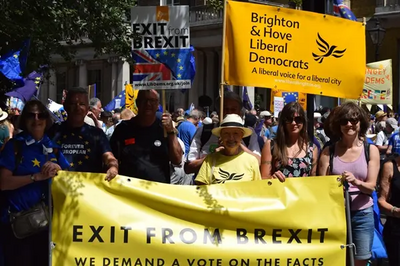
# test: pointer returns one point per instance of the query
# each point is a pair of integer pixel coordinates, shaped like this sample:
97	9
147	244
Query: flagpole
221	92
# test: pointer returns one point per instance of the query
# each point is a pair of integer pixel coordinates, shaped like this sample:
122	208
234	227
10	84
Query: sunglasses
40	116
296	119
353	121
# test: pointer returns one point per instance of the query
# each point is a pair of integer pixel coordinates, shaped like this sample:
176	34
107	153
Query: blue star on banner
117	102
289	97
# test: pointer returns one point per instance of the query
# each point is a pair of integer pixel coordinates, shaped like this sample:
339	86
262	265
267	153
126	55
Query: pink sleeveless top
359	168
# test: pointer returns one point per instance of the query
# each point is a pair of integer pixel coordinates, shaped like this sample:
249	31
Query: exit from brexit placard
293	50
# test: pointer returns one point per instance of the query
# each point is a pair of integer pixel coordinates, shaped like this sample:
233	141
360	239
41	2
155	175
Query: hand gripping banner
134	222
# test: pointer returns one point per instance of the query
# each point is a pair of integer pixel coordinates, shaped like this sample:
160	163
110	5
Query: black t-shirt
142	151
83	147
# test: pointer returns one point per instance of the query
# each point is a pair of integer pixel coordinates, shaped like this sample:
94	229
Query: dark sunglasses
40	116
353	121
297	120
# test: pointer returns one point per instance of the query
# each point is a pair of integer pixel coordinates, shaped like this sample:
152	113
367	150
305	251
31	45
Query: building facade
111	73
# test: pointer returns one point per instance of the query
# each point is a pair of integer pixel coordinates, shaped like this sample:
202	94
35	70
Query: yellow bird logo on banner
130	98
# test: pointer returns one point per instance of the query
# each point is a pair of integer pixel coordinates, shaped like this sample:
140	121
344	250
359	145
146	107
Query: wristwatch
173	132
33	178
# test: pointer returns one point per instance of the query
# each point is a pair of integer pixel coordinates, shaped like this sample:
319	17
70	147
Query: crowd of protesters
191	148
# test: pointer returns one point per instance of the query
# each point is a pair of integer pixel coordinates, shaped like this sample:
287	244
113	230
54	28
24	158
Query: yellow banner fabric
130	98
134	222
293	50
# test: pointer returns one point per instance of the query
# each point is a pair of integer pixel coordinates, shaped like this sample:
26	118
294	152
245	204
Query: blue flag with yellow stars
13	63
341	10
117	102
164	64
29	89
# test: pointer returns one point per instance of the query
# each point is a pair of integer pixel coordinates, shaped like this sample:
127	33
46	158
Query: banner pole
350	244
221	90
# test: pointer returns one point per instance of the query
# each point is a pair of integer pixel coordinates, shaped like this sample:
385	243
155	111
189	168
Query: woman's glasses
353	121
40	116
296	119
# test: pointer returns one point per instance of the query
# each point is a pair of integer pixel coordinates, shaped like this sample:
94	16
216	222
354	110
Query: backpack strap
331	155
366	151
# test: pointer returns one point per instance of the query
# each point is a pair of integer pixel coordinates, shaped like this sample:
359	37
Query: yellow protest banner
378	86
133	222
293	50
130	98
289	96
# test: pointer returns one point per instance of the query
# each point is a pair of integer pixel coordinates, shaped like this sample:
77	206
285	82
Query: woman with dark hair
27	164
290	154
359	167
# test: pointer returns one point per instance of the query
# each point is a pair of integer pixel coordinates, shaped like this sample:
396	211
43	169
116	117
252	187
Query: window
61	84
94	77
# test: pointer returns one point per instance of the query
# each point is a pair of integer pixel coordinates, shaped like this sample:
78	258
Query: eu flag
289	97
341	10
246	100
179	63
30	87
117	102
13	63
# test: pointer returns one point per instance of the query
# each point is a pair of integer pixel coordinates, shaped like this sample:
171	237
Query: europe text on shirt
82	146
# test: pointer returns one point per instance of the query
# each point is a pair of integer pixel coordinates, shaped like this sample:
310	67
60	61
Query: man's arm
174	150
194	162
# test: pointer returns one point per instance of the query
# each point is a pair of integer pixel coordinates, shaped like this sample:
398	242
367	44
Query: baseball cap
393	123
263	114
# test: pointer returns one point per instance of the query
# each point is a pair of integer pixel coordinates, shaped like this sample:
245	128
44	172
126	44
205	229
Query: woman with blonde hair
291	153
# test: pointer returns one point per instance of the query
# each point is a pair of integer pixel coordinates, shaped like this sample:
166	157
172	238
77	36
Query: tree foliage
60	26
216	4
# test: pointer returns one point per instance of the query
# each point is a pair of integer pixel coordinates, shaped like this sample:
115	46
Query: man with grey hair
93	115
204	142
187	129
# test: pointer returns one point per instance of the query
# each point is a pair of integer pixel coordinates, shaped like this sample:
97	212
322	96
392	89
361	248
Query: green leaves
51	24
216	4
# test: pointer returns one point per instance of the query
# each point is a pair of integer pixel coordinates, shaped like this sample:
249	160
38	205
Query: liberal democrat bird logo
328	50
228	176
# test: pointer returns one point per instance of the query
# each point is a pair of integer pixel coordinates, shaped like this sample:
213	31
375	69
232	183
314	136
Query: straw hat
380	114
232	121
3	115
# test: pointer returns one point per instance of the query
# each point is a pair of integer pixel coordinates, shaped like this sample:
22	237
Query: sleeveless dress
298	167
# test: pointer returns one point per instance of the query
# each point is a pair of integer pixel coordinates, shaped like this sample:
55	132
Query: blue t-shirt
82	146
186	131
394	141
32	154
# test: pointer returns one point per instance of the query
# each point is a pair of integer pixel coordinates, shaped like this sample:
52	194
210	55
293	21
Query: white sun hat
232	121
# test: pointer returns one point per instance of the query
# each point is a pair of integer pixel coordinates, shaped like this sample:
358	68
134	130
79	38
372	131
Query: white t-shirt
382	139
212	143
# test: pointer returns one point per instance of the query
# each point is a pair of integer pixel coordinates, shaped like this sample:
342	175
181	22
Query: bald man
140	145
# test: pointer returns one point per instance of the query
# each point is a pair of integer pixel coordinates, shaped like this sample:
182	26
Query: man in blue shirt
85	147
187	129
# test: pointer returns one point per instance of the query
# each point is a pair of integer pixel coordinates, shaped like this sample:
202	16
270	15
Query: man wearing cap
393	143
231	163
266	131
201	146
379	116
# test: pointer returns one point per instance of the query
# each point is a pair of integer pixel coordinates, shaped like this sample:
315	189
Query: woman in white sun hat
230	163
